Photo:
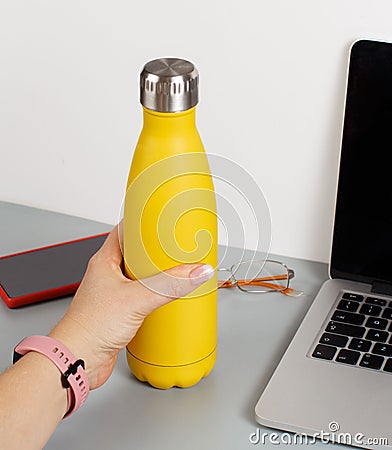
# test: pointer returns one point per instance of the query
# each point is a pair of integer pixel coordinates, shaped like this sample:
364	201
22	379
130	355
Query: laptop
334	381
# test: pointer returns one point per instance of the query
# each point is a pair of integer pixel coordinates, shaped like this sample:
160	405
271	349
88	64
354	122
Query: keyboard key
348	317
345	329
360	344
388	365
371	361
347	356
375	322
377	335
370	310
351	296
387	313
376	301
382	349
348	305
333	339
324	351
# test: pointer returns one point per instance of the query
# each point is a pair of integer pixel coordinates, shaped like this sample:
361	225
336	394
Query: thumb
173	283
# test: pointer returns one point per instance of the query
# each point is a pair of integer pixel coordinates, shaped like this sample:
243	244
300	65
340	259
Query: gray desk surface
218	413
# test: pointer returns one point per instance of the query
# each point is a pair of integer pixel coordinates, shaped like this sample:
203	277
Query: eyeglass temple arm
257	281
265	280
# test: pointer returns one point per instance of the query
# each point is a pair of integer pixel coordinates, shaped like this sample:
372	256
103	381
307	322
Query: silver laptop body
334	381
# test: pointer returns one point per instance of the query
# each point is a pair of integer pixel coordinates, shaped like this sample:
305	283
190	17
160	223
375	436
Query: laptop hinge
382	287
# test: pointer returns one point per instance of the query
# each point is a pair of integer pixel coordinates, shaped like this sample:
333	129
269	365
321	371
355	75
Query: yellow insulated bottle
170	219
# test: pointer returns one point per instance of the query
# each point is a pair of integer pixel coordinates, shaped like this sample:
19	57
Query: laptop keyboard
359	333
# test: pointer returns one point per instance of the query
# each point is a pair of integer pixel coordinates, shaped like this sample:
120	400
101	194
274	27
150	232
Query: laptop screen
362	239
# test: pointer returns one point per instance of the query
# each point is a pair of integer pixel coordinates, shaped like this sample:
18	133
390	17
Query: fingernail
201	274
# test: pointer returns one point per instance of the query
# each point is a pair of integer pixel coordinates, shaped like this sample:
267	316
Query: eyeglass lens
261	276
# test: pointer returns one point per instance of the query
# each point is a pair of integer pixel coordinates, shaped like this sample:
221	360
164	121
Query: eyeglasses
258	277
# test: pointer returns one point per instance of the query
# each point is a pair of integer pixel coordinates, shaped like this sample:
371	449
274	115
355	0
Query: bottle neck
178	120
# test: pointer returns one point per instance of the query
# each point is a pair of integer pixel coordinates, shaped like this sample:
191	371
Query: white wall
272	93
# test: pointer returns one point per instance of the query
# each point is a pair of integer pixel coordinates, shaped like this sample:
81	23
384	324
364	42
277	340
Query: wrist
99	357
70	370
38	365
70	334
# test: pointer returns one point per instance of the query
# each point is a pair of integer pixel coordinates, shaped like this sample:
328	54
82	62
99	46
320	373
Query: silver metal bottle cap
169	85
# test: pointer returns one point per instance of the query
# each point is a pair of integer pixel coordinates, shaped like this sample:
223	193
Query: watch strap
73	376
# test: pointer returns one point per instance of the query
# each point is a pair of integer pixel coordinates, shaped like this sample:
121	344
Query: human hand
108	308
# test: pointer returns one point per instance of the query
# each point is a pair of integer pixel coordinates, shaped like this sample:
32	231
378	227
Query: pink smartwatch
73	376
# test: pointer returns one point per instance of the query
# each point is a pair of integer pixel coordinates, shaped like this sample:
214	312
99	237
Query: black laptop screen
362	240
